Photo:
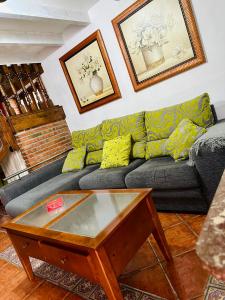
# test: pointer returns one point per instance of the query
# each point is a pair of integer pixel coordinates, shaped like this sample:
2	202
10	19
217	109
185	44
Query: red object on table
54	204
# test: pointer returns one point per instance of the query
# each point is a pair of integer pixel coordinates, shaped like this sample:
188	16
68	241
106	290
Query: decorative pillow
91	138
138	150
156	149
183	137
74	160
116	152
94	157
161	123
131	124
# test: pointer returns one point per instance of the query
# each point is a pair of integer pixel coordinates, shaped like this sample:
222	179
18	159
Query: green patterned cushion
94	157
183	137
161	123
138	149
116	152
74	160
91	138
133	124
156	149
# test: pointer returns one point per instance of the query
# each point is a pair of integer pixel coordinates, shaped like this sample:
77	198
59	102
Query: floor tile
187	216
152	280
71	296
2	263
179	238
20	287
193	277
196	223
4	241
144	257
168	219
7	274
199	298
47	291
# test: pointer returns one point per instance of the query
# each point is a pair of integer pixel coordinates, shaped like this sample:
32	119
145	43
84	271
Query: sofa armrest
33	179
208	154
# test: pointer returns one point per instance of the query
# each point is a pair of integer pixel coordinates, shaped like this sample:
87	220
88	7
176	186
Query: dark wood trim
6	137
30	120
96	36
194	36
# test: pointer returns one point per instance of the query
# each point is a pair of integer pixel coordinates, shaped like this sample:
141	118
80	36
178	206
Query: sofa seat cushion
61	182
18	187
163	173
112	178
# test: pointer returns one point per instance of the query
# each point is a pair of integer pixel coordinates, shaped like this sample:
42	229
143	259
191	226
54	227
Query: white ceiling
32	29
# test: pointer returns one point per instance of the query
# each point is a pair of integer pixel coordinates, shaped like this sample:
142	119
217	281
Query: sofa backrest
161	123
133	124
143	126
91	138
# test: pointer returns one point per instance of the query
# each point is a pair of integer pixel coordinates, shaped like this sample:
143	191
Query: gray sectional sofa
183	186
177	186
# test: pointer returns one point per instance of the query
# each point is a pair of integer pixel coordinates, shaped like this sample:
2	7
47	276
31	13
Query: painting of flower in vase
89	73
159	39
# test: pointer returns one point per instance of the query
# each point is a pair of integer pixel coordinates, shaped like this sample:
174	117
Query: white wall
209	77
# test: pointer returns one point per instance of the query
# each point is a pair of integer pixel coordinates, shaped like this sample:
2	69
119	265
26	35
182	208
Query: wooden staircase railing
24	99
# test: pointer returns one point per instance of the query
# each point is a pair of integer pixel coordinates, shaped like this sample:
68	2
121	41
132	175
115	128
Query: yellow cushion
74	160
94	157
156	149
138	149
182	138
116	152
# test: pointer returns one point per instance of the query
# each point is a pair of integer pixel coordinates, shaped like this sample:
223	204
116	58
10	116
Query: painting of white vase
154	57
89	73
96	84
158	39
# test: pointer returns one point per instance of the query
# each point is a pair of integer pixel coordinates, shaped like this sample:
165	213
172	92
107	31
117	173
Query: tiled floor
184	279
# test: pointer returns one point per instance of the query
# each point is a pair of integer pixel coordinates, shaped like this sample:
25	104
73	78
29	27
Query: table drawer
72	260
25	245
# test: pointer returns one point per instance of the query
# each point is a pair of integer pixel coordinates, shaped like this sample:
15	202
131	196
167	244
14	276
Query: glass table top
40	216
87	218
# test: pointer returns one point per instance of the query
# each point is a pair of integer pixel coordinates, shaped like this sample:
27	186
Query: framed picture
158	39
89	73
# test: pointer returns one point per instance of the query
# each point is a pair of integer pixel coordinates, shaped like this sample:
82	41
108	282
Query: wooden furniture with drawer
92	234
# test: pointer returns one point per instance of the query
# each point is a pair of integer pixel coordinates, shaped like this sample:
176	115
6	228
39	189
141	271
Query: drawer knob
25	245
63	260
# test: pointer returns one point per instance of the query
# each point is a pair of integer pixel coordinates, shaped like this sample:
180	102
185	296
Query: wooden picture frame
89	73
159	39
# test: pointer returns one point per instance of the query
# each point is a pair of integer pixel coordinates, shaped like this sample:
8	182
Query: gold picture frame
158	39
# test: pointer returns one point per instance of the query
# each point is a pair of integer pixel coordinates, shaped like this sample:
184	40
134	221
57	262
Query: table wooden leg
24	259
158	231
107	277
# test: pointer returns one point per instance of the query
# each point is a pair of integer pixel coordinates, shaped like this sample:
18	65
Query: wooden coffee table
94	234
